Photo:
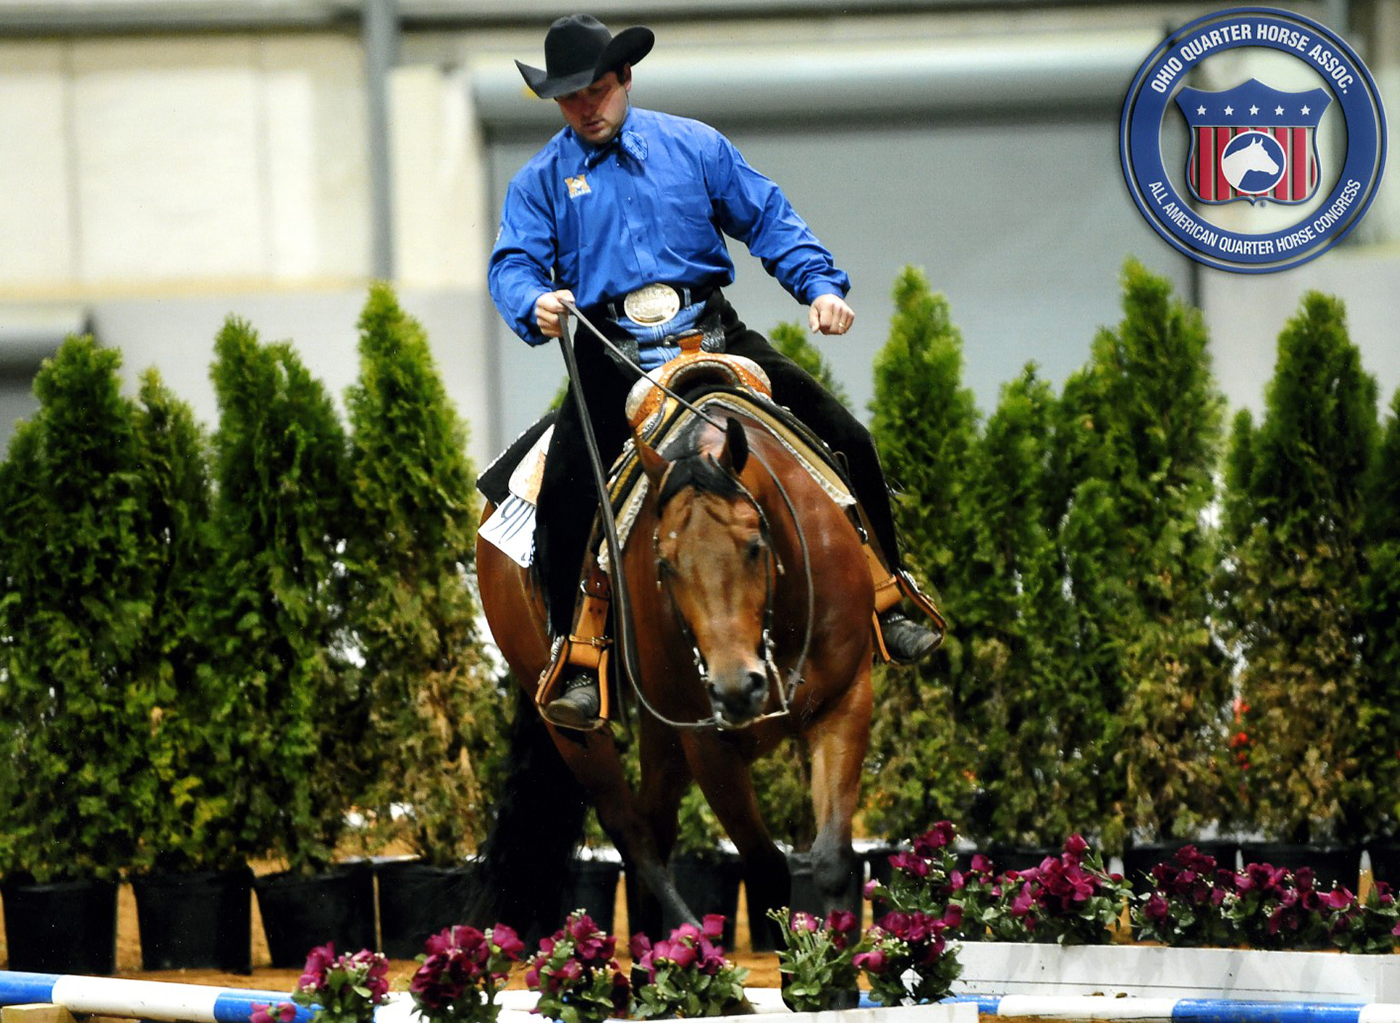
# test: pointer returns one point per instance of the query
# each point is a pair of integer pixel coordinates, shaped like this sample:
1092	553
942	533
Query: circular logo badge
1256	170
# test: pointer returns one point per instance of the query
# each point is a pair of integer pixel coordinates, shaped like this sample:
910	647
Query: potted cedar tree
435	709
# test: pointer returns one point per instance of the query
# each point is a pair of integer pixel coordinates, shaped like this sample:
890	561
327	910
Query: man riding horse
622	215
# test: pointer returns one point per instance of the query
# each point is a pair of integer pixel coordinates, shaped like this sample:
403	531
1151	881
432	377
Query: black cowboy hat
579	50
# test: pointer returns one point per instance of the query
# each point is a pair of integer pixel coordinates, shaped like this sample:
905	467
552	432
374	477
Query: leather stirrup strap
892	587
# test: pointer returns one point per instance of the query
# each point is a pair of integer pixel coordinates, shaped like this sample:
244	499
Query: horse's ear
736	447
653	464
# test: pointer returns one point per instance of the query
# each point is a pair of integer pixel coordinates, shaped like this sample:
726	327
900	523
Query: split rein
627	637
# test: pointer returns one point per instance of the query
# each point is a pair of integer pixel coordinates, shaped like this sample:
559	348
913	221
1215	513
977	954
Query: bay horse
743	573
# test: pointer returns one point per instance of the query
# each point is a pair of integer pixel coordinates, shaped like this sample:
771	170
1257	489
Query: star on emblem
1200	110
1229	111
1278	111
1306	111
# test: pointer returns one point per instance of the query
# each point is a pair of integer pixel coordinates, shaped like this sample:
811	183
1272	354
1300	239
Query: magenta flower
842	921
938	837
873	961
910	863
283	1012
688	973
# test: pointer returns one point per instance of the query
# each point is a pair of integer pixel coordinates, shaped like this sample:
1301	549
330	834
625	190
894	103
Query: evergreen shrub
436	720
278	608
1293	585
78	562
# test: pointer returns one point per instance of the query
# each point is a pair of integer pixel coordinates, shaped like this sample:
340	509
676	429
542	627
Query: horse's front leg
596	764
838	741
723	776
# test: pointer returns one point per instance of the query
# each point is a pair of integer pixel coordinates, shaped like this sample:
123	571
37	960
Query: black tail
524	863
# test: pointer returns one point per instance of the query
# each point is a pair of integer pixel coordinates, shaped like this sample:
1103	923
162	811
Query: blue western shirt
651	205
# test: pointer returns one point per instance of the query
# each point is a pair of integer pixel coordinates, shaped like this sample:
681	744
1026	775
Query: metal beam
1082	72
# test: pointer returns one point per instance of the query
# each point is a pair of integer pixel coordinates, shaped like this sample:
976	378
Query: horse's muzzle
739	697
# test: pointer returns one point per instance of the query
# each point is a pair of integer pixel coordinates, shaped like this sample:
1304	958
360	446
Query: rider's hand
549	309
829	314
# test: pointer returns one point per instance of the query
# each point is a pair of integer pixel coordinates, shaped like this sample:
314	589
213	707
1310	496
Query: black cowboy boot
906	641
578	706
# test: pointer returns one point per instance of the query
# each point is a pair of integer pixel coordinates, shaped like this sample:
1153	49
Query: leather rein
626	628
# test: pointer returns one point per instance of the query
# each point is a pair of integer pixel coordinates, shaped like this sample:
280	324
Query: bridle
771	569
626	627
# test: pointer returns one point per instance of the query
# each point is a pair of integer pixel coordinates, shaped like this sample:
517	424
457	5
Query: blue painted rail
139	999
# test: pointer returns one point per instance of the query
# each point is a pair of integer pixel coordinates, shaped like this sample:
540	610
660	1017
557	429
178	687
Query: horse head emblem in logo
1253	142
1253	162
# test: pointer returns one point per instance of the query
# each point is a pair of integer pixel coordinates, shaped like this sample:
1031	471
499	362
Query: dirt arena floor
763	967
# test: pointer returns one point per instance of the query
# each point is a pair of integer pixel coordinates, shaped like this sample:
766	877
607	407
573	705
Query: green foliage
1139	445
925	424
435	709
1296	514
1026	694
699	833
687	974
279	598
783	783
190	794
817	959
1380	742
78	562
792	341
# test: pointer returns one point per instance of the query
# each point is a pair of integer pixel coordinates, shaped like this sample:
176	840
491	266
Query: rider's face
597	112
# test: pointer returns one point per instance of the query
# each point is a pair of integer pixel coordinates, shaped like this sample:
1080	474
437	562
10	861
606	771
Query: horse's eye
664	568
755	549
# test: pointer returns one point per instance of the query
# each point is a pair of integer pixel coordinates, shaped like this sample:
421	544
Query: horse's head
715	565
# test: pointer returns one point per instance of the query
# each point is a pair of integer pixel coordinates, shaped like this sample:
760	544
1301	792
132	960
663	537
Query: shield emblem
1253	142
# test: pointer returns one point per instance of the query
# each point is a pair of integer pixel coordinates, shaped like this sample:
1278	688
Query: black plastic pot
592	887
201	920
1331	864
1138	860
62	927
1385	861
417	900
708	884
299	912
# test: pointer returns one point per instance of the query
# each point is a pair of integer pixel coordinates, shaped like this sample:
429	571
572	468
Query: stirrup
891	589
575	709
585	649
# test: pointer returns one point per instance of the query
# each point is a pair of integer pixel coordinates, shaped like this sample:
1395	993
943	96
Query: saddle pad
628	484
511	527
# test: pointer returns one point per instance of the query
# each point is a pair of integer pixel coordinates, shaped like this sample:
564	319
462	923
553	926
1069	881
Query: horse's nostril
757	682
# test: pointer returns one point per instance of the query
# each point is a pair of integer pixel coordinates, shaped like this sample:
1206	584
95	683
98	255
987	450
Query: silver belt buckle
652	304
